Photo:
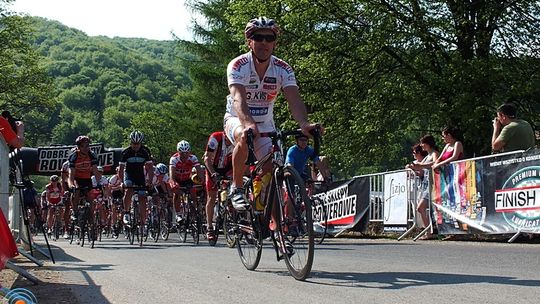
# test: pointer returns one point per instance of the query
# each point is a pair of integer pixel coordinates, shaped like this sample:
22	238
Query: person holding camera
509	132
11	136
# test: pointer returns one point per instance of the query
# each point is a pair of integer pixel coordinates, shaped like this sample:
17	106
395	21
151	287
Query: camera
12	121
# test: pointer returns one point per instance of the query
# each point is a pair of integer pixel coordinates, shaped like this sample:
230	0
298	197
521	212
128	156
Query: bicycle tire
229	227
182	227
248	235
132	226
322	221
195	223
297	231
164	229
155	225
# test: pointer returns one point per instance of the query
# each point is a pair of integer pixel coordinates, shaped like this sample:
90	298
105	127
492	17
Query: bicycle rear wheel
320	220
195	225
297	228
165	218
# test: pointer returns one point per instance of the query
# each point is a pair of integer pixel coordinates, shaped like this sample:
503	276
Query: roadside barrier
494	194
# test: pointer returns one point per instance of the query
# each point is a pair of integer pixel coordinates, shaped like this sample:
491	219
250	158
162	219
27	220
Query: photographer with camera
12	130
11	137
509	132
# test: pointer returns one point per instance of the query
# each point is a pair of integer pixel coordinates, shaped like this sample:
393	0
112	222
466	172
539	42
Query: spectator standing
509	132
453	150
432	153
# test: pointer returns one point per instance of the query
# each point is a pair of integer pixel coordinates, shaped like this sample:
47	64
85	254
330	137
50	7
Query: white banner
395	198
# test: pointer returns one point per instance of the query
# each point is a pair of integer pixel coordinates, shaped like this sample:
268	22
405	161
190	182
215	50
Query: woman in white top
428	144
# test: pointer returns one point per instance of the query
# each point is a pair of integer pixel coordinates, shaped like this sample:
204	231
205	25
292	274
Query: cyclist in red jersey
82	165
54	193
218	162
180	166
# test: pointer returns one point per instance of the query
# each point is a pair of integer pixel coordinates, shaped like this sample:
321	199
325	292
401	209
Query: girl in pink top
453	150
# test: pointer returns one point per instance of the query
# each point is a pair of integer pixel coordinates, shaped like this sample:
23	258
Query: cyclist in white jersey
101	182
254	81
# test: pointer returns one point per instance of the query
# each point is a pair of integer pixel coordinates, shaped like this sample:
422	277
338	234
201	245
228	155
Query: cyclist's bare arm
298	109
238	93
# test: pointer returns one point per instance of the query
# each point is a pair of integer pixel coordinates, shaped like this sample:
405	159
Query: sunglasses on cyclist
261	37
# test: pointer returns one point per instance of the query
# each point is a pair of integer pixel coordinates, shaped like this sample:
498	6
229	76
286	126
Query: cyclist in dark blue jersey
136	170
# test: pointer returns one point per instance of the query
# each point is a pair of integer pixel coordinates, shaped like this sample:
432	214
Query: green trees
381	73
24	86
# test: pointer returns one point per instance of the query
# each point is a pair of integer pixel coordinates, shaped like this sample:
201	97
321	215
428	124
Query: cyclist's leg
50	212
235	131
142	207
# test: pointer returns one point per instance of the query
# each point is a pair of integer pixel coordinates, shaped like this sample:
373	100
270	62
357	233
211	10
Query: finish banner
493	195
343	206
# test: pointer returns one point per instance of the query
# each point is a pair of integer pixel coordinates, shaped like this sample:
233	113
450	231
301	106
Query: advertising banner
494	195
345	206
48	160
395	199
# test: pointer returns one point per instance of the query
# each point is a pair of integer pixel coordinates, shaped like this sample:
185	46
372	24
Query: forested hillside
107	87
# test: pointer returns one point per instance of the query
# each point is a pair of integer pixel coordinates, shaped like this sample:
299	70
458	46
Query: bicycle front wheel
248	239
229	226
297	227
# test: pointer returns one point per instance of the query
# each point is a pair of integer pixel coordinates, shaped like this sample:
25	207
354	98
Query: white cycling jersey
261	94
103	181
157	175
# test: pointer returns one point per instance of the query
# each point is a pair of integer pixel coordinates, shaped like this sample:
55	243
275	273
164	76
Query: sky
151	19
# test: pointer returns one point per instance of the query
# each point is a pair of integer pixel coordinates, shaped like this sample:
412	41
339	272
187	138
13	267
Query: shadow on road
400	280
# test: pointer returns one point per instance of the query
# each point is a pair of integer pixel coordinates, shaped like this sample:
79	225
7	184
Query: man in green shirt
509	132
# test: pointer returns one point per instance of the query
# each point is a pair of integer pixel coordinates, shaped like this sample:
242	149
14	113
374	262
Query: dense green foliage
379	74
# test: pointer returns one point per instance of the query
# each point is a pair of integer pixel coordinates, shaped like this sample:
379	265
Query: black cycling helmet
82	139
261	23
136	137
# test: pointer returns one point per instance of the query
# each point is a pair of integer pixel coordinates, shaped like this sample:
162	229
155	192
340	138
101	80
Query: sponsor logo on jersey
282	64
269	86
237	66
270	80
257	95
271	96
252	87
212	144
252	80
255	111
291	78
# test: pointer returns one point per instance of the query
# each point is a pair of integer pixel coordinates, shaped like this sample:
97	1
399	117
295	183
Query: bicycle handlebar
316	134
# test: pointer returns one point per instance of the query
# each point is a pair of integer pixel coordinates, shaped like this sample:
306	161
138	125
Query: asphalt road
344	271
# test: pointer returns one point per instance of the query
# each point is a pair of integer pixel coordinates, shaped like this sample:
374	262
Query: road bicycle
191	216
287	210
134	228
57	226
224	213
82	224
153	220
